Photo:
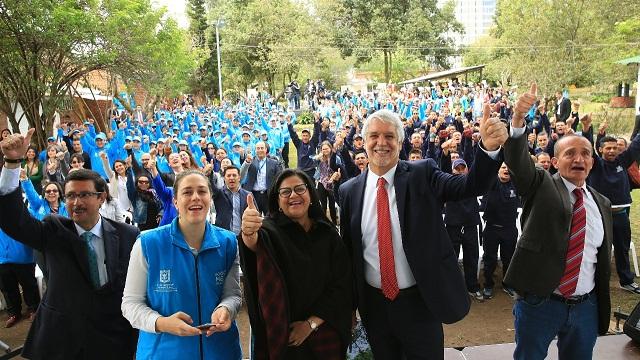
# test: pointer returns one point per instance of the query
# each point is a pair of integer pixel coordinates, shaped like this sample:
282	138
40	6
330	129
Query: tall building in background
477	18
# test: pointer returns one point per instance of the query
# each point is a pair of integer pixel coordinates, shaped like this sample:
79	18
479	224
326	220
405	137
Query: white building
477	18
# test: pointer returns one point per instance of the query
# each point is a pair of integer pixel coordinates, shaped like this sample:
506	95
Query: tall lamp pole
219	24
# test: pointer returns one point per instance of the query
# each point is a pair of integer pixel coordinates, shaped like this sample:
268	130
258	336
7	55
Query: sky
175	9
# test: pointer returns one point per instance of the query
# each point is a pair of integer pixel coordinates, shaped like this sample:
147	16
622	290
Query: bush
305	118
601	98
232	95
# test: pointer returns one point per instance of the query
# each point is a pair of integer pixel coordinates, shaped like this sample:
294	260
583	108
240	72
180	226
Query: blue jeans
539	319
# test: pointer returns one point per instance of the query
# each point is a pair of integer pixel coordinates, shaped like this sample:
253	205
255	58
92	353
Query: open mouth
195	208
577	168
78	211
295	203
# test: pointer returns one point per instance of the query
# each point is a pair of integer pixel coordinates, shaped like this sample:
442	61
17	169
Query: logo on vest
165	284
220	275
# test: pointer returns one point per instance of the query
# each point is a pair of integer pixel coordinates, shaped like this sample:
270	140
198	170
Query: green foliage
231	95
601	97
560	42
305	118
50	45
365	28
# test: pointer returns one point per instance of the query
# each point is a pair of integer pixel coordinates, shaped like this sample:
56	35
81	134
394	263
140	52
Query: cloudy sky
176	9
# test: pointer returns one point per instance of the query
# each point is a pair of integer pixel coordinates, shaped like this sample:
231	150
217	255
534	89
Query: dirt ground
488	322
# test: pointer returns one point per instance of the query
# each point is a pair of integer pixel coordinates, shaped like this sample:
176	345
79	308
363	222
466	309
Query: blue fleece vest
180	281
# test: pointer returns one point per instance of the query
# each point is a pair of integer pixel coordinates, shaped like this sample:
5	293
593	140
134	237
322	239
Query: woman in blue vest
183	284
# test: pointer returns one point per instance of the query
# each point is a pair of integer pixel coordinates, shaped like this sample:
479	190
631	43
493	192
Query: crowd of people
211	189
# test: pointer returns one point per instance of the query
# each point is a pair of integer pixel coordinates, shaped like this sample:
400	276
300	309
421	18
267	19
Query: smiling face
192	198
51	194
382	146
31	154
175	160
84	212
296	206
573	159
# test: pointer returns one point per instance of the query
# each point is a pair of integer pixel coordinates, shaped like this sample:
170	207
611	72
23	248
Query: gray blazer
539	259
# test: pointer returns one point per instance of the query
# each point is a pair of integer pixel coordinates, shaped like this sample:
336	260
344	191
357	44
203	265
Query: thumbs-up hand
336	175
251	223
493	132
15	146
524	103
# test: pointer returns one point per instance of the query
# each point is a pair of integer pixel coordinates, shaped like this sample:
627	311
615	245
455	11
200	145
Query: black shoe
487	293
509	292
633	288
477	295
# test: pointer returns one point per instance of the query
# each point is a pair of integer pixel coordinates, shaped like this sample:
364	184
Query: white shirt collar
570	186
96	229
388	176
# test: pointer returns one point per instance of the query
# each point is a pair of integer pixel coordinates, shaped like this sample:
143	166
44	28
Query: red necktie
569	280
385	245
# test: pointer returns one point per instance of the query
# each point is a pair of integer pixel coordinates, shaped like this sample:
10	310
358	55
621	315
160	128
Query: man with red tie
560	269
407	280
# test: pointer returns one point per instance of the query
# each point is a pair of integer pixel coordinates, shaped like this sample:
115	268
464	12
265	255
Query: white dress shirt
261	175
370	233
98	246
594	233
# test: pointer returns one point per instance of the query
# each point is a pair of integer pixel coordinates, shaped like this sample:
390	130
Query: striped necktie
569	280
87	236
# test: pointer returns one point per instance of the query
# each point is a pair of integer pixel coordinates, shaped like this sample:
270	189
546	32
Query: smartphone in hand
205	326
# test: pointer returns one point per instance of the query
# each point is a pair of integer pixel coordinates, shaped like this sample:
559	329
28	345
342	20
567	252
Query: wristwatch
313	325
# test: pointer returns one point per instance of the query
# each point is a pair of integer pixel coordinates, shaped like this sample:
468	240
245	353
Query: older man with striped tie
560	269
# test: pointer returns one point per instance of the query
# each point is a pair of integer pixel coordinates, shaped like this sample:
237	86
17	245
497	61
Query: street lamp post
219	24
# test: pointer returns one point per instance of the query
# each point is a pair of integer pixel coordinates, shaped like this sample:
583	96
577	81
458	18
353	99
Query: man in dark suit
561	265
563	107
407	280
230	201
258	175
87	260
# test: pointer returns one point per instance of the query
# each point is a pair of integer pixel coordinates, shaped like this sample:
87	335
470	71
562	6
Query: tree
558	42
49	45
420	28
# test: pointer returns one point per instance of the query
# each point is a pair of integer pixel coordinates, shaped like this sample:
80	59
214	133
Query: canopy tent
445	74
634	61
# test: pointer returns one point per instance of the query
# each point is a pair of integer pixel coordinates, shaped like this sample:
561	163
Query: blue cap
203	127
101	136
136	138
51	139
246	133
161	140
153	142
458	162
86	123
183	142
237	143
75	131
193	123
128	138
263	132
176	128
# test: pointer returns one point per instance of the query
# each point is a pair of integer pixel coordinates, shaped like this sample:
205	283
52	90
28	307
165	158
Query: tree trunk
387	64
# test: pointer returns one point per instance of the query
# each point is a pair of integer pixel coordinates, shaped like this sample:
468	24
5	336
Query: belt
618	210
572	300
259	191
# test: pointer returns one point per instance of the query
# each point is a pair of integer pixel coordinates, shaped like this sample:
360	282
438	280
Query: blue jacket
178	280
165	194
13	252
38	206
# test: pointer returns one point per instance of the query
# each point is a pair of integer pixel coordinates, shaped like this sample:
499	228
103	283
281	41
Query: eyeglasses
52	191
81	196
298	189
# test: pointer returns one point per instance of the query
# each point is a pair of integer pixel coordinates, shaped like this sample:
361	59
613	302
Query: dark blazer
539	259
74	320
565	109
273	169
421	190
223	202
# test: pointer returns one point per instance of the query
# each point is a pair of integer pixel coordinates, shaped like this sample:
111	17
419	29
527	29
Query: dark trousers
494	237
285	155
467	238
327	199
621	243
262	201
25	275
403	328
